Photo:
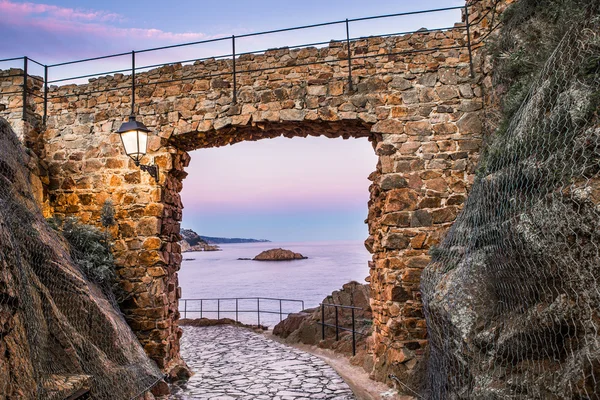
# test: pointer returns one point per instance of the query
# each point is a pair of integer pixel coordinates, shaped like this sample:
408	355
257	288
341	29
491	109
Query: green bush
90	250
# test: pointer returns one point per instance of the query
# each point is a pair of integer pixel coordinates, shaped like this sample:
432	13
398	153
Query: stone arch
413	95
420	123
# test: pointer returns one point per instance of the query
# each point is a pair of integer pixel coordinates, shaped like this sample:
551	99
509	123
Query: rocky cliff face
191	241
511	296
59	334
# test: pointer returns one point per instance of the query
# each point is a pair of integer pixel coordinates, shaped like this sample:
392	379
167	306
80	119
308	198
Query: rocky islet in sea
277	255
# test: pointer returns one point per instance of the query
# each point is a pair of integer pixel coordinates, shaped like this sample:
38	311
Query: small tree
107	219
107	215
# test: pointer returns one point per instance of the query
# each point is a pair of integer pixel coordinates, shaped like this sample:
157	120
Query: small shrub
90	250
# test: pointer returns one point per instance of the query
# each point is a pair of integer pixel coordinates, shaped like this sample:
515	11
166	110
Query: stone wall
11	106
412	96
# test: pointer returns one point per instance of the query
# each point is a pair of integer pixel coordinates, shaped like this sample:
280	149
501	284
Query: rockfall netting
512	295
60	335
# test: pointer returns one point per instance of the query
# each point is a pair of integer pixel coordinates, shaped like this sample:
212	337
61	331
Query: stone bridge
412	96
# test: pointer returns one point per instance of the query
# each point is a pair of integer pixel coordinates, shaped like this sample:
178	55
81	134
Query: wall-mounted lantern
134	134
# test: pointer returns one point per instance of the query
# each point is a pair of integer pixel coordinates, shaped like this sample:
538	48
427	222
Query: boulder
511	295
304	327
293	322
279	255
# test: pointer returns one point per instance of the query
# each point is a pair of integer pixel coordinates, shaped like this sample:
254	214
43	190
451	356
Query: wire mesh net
60	335
512	295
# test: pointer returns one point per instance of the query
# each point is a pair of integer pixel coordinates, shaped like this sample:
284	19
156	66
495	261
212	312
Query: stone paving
236	363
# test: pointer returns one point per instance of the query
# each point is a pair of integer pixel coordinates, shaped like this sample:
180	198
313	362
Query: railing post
25	74
218	309
337	326
45	94
184	308
258	307
234	70
280	312
353	335
200	308
469	41
236	310
133	83
349	56
322	322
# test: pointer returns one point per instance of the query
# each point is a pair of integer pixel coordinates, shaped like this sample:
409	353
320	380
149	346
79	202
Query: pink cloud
31	9
63	20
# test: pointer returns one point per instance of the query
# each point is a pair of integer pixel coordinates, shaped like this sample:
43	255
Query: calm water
221	274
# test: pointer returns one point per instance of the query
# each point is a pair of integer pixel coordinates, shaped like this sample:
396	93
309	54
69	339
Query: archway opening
308	195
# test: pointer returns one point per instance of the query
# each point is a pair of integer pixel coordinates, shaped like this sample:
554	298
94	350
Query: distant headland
219	240
191	241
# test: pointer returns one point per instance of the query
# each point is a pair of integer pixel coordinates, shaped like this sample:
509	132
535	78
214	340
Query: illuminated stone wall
413	97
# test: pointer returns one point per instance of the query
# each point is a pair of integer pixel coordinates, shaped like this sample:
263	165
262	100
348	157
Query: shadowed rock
511	295
304	327
191	241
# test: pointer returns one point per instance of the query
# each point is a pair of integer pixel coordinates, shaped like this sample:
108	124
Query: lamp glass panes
134	136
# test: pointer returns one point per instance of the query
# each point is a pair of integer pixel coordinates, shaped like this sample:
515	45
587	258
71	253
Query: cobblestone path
236	363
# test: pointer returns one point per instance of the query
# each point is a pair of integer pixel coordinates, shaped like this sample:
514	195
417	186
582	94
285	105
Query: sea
211	275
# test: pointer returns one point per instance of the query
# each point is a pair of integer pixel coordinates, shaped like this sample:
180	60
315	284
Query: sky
299	189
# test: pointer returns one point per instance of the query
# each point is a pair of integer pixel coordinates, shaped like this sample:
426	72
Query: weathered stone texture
304	327
56	327
511	296
11	106
412	96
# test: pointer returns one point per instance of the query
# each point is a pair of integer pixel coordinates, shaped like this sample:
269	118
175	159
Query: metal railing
220	311
347	23
337	326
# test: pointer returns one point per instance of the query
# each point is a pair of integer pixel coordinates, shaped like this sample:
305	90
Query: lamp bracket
151	169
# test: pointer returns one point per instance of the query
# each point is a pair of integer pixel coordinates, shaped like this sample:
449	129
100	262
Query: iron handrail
212	40
337	326
237	310
348	39
90	59
340	306
11	59
230	55
244	298
269	32
35	62
187	78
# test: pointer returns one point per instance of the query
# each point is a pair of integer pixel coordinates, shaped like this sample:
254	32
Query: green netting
512	295
60	334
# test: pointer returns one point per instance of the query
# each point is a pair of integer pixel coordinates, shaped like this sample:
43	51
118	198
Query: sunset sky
279	189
